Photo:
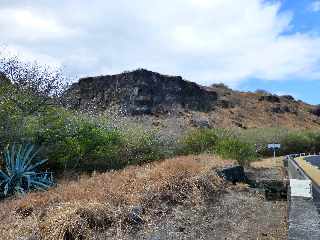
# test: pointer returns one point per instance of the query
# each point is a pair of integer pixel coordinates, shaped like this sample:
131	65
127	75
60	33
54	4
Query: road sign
274	145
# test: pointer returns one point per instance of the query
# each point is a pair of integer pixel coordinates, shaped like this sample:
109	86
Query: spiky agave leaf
20	175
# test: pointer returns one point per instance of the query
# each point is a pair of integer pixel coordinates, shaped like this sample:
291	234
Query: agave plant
20	174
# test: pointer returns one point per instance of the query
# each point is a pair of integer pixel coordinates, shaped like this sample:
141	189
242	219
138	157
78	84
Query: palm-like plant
20	173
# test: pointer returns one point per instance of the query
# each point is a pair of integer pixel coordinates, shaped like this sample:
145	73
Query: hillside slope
159	98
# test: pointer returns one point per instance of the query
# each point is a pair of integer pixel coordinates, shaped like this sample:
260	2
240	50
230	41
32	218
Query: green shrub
315	141
233	148
101	148
90	143
56	131
261	137
199	141
142	146
301	141
292	141
76	142
11	121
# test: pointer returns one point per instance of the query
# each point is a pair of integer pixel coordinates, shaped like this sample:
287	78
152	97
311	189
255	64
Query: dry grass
102	202
268	163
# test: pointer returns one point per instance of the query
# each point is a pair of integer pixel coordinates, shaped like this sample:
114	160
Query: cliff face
141	92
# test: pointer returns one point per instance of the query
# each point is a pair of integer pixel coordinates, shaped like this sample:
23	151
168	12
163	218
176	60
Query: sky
247	44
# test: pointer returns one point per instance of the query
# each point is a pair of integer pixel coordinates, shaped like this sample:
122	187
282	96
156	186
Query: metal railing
295	155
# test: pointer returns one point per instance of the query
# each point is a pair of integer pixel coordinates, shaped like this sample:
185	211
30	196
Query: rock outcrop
141	92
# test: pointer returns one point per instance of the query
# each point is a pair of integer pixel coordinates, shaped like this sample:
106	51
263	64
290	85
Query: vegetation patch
103	202
20	175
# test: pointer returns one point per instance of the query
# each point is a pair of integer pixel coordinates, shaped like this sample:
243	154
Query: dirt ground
236	215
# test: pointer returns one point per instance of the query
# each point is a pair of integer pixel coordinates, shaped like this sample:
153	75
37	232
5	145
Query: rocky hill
141	92
157	97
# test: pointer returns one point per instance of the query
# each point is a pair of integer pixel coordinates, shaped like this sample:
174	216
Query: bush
261	137
292	141
222	142
76	142
100	148
199	141
301	141
90	143
143	146
232	148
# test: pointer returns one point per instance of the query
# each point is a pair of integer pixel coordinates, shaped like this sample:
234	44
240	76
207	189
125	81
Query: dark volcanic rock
288	97
316	111
233	174
226	103
283	109
270	98
141	92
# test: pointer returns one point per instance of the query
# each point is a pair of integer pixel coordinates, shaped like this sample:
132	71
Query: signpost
274	147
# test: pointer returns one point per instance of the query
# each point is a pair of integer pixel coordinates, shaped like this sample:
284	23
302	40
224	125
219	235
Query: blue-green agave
19	175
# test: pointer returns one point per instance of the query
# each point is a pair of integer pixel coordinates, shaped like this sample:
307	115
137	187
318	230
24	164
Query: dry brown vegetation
268	163
104	202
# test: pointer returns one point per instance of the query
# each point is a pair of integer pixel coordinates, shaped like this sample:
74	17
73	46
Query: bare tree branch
34	86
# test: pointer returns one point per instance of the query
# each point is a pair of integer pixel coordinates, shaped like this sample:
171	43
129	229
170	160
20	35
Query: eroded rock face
270	98
316	111
141	92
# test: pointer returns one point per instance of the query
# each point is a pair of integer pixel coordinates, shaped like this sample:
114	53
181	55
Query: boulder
233	174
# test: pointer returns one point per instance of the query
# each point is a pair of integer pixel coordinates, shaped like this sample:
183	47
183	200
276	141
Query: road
304	215
314	160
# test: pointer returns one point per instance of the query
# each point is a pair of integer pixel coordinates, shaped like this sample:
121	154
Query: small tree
32	86
26	89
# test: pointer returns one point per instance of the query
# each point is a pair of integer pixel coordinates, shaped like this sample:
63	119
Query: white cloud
28	25
203	40
26	55
315	6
